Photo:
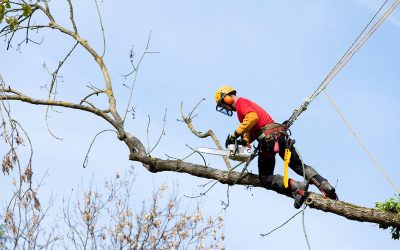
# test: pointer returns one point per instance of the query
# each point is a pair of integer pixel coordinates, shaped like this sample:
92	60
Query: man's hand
242	142
231	139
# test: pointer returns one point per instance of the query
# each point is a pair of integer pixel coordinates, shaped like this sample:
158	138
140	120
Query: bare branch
60	64
102	28
283	224
135	71
91	144
188	120
71	16
24	98
97	92
162	132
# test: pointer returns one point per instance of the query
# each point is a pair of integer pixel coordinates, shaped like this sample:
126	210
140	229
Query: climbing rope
354	47
371	157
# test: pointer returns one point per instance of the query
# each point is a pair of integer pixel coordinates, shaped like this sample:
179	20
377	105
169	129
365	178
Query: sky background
273	52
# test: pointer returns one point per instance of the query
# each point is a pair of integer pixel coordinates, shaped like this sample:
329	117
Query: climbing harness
271	132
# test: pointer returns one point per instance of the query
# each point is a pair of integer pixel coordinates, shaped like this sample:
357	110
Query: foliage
13	21
3	6
391	205
26	9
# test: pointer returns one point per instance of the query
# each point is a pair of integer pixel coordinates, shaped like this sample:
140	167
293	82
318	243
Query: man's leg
311	175
266	165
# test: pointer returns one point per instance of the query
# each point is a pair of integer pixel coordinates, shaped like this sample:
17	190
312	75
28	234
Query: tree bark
313	200
352	212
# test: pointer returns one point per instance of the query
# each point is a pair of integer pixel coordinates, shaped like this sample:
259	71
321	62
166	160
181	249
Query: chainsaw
233	151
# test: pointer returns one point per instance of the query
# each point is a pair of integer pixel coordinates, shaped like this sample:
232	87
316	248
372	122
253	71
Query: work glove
242	142
231	139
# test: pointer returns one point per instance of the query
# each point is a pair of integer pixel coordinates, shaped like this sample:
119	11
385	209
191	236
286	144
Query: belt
269	131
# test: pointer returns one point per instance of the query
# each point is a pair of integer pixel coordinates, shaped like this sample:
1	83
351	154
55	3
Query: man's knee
273	182
266	181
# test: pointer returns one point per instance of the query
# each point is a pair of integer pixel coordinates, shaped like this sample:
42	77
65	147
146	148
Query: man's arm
244	127
247	124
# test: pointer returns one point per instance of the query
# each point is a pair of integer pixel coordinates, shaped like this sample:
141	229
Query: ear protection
228	99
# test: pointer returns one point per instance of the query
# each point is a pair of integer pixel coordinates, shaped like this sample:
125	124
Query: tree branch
65	104
188	120
313	200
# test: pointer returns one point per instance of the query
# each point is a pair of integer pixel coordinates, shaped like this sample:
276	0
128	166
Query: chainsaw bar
213	151
233	152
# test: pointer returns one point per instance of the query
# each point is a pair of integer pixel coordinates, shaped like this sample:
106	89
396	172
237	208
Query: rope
305	206
371	157
354	47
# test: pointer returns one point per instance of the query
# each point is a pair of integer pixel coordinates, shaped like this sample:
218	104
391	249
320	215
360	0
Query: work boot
298	192
328	190
324	186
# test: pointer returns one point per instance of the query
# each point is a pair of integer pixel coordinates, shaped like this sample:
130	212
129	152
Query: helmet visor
221	108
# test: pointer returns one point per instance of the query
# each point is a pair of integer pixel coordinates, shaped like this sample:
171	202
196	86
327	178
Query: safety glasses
221	108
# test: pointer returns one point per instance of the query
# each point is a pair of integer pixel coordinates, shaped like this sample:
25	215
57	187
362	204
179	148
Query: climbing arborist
273	138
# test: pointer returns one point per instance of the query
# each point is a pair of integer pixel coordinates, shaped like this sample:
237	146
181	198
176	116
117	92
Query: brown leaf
6	164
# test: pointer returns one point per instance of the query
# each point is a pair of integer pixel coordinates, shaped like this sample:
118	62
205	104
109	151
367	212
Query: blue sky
273	52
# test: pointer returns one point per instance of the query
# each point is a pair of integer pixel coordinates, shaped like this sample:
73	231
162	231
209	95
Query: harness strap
271	131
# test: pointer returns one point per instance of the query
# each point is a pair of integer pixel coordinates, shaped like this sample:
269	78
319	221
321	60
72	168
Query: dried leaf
7	164
37	203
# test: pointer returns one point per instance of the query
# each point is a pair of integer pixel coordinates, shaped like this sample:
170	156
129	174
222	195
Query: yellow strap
286	162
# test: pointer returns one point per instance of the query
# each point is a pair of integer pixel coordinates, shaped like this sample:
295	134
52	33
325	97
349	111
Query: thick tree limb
316	201
352	212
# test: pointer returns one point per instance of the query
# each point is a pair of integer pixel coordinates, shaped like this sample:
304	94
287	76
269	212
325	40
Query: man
257	124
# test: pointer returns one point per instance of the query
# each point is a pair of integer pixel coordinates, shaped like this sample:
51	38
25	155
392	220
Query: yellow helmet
222	92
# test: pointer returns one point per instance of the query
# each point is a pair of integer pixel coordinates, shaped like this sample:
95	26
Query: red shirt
244	106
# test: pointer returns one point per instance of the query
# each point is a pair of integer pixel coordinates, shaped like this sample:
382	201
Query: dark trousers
266	165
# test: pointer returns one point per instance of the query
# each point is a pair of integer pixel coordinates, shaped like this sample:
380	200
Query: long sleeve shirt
252	118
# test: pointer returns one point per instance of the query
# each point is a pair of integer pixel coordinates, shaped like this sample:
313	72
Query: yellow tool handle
286	161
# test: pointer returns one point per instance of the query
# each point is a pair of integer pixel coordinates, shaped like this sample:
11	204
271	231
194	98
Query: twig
53	85
162	132
135	71
102	28
226	204
291	218
60	64
194	150
203	193
175	158
91	144
147	133
71	16
97	92
203	185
